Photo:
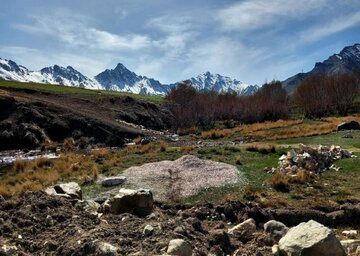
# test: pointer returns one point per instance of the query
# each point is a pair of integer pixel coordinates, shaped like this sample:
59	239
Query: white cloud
35	59
224	56
75	30
256	14
336	25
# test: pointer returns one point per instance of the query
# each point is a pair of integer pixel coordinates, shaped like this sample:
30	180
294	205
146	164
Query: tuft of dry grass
137	140
163	146
217	134
186	131
261	148
101	153
280	181
69	144
187	149
19	165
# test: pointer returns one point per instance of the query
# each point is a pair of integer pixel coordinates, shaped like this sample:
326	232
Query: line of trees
203	108
317	96
321	95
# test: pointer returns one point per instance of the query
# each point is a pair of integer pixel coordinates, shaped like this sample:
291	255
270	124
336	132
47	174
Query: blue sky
251	40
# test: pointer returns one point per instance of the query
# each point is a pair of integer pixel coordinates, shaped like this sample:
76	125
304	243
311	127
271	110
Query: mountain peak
347	61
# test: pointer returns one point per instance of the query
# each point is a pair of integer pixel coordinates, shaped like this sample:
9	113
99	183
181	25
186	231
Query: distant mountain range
118	79
347	61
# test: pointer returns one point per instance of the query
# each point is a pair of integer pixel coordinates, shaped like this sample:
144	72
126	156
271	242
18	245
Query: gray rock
138	202
49	221
89	206
106	249
113	181
276	229
347	136
148	230
179	247
351	125
70	190
310	239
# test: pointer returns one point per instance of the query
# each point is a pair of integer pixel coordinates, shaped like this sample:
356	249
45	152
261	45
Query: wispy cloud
328	28
256	14
75	30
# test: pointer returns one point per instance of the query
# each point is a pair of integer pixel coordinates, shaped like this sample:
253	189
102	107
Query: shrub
19	165
163	146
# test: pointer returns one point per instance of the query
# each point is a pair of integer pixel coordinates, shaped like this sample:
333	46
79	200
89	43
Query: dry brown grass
163	146
137	140
39	173
101	153
186	131
261	148
217	134
283	129
187	149
115	160
281	181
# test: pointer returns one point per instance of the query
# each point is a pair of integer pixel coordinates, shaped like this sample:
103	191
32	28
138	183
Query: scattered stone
70	190
8	250
276	229
179	247
275	250
347	136
106	249
113	181
244	231
351	125
49	221
148	230
145	141
89	206
180	230
351	246
311	239
349	233
138	202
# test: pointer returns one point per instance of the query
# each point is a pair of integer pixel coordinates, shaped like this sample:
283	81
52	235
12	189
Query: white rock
351	245
8	250
349	233
311	239
106	249
71	189
248	226
179	247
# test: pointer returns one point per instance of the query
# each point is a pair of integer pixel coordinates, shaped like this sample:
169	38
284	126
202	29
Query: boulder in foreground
310	239
138	202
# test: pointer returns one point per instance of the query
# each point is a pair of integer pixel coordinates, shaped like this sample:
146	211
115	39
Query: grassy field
74	90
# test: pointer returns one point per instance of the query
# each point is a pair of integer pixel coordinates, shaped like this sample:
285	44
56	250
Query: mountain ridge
346	61
118	79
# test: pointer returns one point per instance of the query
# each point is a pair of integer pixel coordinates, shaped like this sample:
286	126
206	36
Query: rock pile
312	159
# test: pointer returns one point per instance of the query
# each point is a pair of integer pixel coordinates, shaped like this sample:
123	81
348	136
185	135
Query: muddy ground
24	222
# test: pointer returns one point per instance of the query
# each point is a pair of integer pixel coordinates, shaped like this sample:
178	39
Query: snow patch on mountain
68	76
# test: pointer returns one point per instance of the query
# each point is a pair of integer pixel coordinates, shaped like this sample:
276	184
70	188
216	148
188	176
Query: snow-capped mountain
347	61
215	82
122	79
118	79
68	76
